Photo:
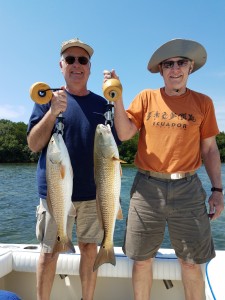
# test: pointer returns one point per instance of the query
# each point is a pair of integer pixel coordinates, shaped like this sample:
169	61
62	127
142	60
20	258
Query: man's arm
125	128
40	134
211	159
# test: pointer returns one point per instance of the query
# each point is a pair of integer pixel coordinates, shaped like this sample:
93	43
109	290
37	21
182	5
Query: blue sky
123	33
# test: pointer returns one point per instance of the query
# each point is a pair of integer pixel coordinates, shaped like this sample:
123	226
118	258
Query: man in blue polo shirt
82	111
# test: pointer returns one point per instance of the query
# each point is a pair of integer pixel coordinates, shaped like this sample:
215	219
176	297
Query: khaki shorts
87	226
180	204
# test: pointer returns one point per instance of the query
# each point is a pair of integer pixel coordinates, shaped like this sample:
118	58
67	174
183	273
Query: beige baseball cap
178	48
76	43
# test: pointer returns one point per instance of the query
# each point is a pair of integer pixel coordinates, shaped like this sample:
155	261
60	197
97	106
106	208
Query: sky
124	35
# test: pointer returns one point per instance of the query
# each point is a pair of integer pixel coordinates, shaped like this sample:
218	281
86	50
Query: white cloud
11	112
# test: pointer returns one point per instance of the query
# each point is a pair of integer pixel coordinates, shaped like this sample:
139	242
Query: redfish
107	172
59	176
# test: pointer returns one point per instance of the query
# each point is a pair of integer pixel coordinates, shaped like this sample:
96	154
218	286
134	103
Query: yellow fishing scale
112	91
41	93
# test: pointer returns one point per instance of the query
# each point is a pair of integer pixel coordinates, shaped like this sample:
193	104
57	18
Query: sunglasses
83	60
169	64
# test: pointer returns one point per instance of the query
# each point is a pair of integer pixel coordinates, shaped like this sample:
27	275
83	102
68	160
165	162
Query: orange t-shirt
171	128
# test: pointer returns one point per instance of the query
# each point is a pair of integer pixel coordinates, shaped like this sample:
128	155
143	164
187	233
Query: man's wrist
216	189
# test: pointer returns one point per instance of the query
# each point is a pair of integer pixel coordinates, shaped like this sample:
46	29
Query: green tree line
14	149
13	143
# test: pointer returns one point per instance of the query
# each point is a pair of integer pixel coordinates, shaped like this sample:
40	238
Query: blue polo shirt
81	118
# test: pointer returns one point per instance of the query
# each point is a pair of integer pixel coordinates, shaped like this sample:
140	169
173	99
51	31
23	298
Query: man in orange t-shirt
177	129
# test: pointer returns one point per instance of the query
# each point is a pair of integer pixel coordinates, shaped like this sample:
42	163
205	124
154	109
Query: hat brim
178	48
86	47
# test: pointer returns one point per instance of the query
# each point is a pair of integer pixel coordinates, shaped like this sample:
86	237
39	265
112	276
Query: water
18	201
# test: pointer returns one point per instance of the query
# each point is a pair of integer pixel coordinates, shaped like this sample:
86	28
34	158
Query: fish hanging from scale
107	172
59	173
59	176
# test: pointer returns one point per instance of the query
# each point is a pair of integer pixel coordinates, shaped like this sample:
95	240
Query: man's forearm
213	167
125	128
41	133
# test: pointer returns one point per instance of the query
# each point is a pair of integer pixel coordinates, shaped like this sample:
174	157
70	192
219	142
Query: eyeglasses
169	64
83	60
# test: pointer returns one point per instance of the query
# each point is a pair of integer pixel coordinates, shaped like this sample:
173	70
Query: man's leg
142	279
45	275
194	287
87	276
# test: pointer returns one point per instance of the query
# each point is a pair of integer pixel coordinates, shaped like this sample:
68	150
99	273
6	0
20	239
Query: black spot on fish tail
62	246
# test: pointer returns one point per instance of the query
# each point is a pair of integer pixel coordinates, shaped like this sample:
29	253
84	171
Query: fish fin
123	161
62	171
63	246
118	159
121	171
119	214
104	256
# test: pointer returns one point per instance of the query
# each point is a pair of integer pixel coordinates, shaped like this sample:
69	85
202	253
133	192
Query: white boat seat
24	258
5	262
20	259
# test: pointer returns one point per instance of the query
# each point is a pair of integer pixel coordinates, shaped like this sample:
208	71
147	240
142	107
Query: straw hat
76	43
178	48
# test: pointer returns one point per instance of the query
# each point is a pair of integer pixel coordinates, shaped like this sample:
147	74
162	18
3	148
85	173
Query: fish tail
63	246
104	256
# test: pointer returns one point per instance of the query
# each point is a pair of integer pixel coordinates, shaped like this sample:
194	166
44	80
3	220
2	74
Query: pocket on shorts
71	221
135	183
40	225
200	189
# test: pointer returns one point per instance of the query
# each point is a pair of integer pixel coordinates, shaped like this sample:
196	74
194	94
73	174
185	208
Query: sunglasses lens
83	60
182	62
168	64
70	60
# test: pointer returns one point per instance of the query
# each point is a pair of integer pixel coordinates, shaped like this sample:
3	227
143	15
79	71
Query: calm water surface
18	201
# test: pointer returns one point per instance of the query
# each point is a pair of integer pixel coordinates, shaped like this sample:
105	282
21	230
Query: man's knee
142	264
191	270
189	266
87	247
48	258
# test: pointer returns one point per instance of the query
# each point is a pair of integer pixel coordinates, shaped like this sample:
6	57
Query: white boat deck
18	274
